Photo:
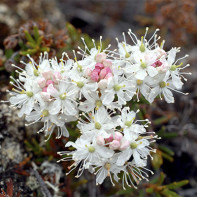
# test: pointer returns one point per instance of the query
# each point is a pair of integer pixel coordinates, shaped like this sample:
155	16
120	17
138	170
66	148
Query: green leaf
168	157
161	120
126	191
161	178
8	53
29	37
176	185
166	149
157	160
44	49
36	33
168	135
168	193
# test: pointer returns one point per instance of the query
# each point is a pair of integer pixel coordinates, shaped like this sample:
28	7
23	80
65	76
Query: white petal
168	95
20	98
108	98
55	107
141	74
153	93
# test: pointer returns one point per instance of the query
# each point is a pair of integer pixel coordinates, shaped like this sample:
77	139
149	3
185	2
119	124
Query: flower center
162	84
80	84
91	149
97	125
128	123
118	87
45	113
107	166
143	65
29	94
63	96
139	82
133	145
98	103
36	73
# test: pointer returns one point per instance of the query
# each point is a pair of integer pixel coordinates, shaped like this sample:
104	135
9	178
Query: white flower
65	96
163	86
100	122
133	174
138	148
24	96
119	86
105	169
84	86
41	114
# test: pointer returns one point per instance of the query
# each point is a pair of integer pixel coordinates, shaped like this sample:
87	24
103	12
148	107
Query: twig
44	189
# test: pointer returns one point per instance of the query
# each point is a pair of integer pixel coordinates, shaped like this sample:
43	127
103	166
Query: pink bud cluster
102	68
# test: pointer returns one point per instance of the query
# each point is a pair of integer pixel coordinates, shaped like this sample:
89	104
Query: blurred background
28	165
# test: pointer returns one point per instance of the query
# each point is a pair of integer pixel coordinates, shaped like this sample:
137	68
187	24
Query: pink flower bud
100	140
124	145
102	73
100	57
99	65
102	84
47	74
42	82
107	63
94	76
52	90
44	89
49	82
114	145
45	96
108	76
109	139
158	63
118	136
88	72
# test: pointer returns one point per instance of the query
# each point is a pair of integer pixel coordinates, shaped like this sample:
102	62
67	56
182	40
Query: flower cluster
94	90
110	145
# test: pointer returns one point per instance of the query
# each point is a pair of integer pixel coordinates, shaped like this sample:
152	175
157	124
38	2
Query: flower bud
107	63
100	57
102	84
108	76
49	82
88	72
109	139
42	82
99	65
118	136
102	73
45	96
47	74
94	76
124	145
114	145
100	140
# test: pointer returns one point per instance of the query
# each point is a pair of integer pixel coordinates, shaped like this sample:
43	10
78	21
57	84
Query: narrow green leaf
166	149
29	37
177	184
36	33
161	178
168	157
